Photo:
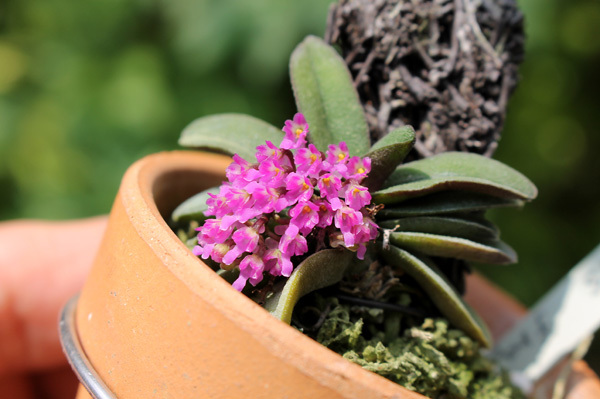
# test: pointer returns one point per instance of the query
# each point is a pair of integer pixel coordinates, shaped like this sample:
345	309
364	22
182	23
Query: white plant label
557	323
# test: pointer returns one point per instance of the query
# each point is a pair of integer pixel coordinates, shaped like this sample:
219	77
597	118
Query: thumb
42	265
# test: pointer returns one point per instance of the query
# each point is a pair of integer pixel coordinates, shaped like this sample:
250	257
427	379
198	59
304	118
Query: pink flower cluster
292	197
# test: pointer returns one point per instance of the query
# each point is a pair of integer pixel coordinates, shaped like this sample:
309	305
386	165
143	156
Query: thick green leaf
455	171
230	134
448	202
441	292
486	251
387	153
193	208
446	226
326	96
319	270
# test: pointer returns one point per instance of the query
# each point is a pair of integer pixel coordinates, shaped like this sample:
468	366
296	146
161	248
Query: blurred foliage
89	87
86	88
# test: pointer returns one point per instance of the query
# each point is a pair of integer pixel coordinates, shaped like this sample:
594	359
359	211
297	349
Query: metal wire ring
72	348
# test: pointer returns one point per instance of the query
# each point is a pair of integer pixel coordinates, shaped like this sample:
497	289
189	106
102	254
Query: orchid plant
306	211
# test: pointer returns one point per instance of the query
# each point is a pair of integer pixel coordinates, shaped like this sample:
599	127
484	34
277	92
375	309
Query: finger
58	383
42	265
16	386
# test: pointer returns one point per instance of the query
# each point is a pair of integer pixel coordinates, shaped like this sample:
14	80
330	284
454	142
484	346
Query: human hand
42	265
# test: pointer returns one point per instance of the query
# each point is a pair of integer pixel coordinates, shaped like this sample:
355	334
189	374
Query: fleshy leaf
326	96
449	202
230	134
441	292
387	153
455	171
194	207
319	270
468	228
486	251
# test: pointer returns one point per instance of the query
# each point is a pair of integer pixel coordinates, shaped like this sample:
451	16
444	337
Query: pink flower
265	199
308	160
213	232
251	268
217	205
346	218
235	198
240	171
272	172
305	215
276	262
329	185
336	203
230	220
357	196
337	157
242	215
295	132
325	213
246	240
367	230
215	251
292	242
357	238
199	250
363	233
268	150
281	227
299	188
231	205
361	251
240	283
358	168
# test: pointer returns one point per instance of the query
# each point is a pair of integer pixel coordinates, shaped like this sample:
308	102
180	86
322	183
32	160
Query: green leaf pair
448	189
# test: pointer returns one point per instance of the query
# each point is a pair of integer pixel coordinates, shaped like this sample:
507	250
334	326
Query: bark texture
446	67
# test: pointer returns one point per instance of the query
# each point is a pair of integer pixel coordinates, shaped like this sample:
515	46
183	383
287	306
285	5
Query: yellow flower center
341	156
361	170
306	209
299	131
313	158
305	186
356	191
326	181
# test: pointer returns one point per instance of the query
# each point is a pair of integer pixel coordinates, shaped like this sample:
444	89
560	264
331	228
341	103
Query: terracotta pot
154	321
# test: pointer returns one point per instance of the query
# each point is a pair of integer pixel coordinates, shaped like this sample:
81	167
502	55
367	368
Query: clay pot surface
155	321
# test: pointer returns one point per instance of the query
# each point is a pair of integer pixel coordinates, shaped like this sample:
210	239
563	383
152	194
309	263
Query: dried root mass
446	67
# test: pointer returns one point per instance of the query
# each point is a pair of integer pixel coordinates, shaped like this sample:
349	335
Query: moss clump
432	359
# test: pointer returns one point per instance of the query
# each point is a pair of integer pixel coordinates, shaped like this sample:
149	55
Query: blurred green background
86	88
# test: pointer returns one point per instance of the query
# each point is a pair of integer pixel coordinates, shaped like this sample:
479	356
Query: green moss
432	359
